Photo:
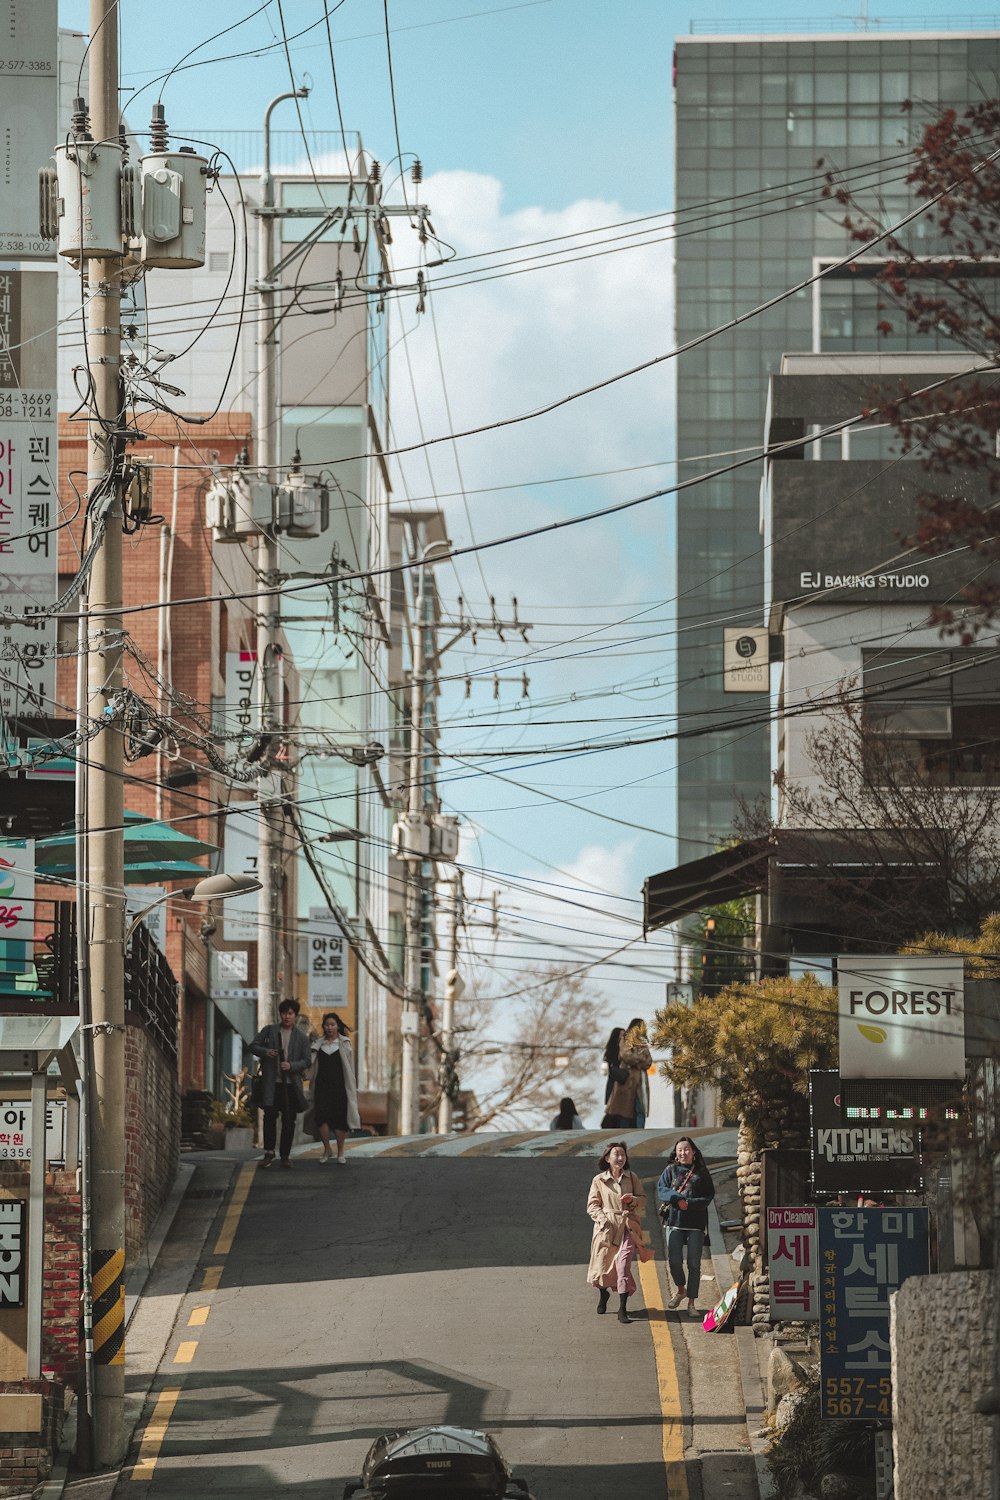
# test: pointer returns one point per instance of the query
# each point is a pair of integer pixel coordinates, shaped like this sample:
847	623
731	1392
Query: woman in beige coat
615	1204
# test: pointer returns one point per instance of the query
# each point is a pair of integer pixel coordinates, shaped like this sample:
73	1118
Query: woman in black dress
334	1088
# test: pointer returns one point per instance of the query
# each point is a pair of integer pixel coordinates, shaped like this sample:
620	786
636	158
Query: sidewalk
154	1291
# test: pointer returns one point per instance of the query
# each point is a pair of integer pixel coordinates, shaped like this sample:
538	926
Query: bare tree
522	1055
882	843
941	282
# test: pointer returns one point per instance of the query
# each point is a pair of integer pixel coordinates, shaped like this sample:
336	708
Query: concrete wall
943	1334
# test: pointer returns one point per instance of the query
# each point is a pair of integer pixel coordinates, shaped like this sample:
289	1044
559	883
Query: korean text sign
865	1255
793	1264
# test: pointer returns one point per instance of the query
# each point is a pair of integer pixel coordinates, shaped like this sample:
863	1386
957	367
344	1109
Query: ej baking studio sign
901	1016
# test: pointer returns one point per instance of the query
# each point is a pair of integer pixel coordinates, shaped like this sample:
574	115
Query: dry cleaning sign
901	1016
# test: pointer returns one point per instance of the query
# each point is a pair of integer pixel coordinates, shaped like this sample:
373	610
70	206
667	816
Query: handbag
257	1090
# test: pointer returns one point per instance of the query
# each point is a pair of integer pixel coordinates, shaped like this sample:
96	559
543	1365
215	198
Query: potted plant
231	1119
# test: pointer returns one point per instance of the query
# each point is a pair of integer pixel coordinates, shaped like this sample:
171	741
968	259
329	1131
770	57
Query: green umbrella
147	841
150	872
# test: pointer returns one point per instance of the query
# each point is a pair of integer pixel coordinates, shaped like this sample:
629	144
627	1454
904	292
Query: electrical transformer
303	506
174	187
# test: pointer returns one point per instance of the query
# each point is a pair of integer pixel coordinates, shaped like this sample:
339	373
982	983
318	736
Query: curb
751	1376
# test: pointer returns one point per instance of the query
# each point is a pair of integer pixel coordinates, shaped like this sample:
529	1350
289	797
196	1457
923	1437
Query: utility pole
269	935
413	1000
453	989
105	807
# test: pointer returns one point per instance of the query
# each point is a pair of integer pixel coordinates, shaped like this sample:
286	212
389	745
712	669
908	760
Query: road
426	1283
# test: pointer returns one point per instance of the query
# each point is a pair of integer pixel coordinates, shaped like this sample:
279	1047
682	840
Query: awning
740	870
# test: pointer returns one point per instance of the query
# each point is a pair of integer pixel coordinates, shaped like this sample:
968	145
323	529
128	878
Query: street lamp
212	888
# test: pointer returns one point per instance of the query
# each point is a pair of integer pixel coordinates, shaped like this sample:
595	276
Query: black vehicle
436	1463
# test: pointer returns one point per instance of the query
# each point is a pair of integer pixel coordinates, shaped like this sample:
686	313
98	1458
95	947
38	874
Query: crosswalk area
715	1144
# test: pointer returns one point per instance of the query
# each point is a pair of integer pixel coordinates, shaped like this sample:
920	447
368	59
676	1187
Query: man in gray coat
285	1055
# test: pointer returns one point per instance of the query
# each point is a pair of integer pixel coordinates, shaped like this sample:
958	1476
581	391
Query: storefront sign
867	1158
29	79
17	894
241	914
327	965
13	1251
241	692
865	1255
745	661
901	1016
793	1264
15	1130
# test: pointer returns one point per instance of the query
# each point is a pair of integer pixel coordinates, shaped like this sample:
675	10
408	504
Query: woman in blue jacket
684	1191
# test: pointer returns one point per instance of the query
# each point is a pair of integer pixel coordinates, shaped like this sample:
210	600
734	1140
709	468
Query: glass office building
754	115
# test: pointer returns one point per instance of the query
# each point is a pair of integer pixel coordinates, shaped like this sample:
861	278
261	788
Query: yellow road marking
227	1234
667	1383
211	1279
156	1431
185	1352
199	1316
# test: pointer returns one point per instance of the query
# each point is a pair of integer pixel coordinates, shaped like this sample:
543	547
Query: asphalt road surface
425	1284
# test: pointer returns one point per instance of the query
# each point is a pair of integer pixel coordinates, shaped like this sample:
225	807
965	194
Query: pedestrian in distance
628	1058
683	1193
334	1086
285	1056
567	1118
615	1203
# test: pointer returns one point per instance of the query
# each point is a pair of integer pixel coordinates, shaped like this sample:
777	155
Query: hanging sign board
241	692
17	891
327	963
793	1264
901	1016
869	1158
241	914
745	661
865	1255
15	1130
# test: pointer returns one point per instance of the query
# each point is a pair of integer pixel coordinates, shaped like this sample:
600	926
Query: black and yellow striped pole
107	1290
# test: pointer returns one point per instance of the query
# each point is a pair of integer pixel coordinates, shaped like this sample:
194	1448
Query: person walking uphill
627	1098
334	1089
285	1055
615	1203
683	1193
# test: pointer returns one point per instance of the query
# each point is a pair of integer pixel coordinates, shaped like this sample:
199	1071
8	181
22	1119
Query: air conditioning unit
444	837
411	838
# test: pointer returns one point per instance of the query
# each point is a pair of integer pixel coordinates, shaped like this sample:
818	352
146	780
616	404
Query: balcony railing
44	972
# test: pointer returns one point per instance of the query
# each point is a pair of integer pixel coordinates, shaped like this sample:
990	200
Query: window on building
939	712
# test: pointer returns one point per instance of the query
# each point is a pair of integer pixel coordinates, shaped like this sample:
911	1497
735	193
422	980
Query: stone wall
943	1334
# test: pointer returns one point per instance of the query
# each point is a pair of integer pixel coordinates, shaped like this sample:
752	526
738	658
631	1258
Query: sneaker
286	1164
268	1159
693	1308
677	1298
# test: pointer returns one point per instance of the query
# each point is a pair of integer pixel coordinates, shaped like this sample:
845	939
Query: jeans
285	1106
694	1239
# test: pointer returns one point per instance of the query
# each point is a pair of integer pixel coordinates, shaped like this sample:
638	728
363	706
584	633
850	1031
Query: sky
535	119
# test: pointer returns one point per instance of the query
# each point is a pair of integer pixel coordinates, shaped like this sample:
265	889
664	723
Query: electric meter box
303	506
252	499
218	512
89	208
174	191
444	837
411	838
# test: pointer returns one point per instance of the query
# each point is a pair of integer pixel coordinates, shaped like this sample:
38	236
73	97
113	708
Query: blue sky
532	120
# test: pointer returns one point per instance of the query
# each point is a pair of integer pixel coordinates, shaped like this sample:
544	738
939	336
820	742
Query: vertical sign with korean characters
865	1255
327	960
793	1264
28	492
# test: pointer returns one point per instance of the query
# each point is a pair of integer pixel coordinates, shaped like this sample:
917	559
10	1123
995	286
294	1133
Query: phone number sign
865	1255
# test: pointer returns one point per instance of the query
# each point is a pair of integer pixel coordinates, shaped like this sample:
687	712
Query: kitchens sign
901	1016
866	1157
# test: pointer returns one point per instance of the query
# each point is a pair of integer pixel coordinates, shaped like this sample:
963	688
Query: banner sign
29	504
15	1130
241	914
745	661
13	1251
241	711
29	80
865	1255
854	1156
901	1016
327	964
793	1264
17	892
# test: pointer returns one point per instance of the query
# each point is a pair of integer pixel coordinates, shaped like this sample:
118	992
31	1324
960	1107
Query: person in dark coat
684	1191
285	1055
